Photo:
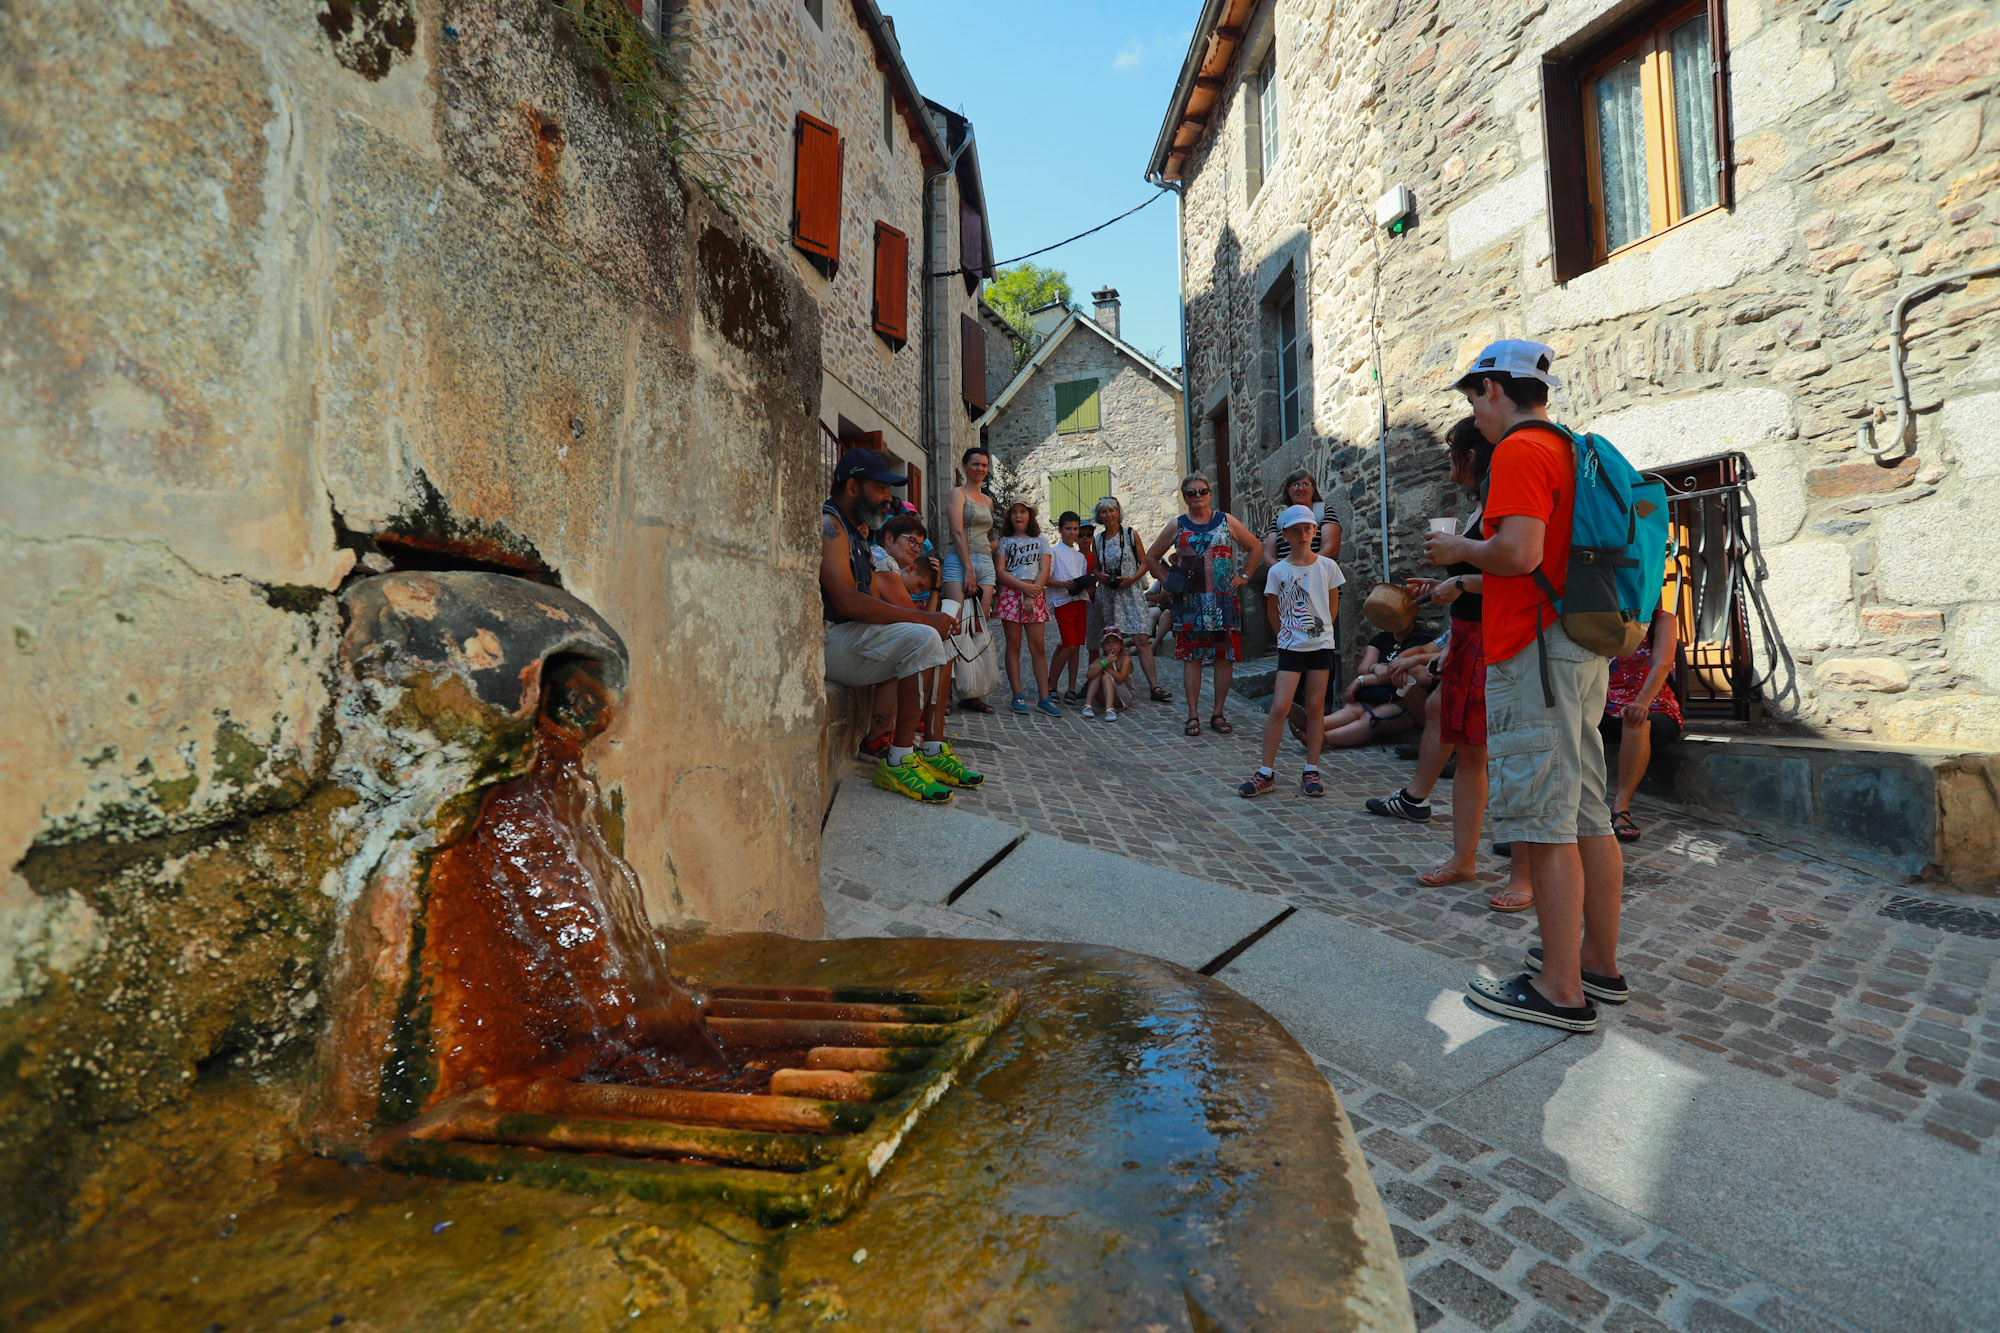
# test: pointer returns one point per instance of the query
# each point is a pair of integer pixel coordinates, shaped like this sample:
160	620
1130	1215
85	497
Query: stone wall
1138	437
766	63
273	287
1866	149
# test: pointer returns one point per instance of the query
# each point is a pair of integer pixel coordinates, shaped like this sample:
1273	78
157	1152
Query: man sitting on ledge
869	641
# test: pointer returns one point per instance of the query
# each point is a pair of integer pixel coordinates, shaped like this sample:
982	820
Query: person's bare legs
1012	629
940	692
1284	686
1576	885
882	717
1037	660
1065	657
1432	753
1315	700
1225	672
1191	687
908	708
1635	751
1145	656
1352	734
1520	890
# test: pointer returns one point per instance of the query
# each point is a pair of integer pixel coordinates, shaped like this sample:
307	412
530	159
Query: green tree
1009	483
1015	291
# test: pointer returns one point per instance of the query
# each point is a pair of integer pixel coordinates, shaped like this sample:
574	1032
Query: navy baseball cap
865	465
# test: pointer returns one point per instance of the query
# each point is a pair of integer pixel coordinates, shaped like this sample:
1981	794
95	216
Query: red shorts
1462	686
1073	619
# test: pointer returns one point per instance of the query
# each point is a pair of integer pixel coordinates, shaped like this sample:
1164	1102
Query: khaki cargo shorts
858	654
1546	765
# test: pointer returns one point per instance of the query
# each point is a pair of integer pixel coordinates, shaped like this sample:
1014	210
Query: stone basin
1140	1147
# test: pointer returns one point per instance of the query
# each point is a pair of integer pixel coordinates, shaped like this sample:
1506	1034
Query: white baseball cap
1296	515
1516	357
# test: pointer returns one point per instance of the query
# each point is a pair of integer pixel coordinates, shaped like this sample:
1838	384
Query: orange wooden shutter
892	284
971	245
972	370
816	164
1563	150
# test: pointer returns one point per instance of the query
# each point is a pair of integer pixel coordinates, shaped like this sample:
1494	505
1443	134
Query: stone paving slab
1050	889
1887	1227
935	849
1390	1011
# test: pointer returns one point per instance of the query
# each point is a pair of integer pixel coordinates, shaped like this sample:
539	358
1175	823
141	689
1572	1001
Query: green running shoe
946	768
912	778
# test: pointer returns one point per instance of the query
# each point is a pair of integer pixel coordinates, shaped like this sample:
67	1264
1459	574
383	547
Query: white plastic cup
1447	526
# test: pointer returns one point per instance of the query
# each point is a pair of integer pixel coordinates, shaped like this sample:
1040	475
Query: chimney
1107	308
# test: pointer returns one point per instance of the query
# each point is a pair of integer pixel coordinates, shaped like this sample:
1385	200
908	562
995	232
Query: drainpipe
1906	423
931	360
1180	286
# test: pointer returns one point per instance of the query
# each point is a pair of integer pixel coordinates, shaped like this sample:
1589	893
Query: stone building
847	174
1091	415
1710	211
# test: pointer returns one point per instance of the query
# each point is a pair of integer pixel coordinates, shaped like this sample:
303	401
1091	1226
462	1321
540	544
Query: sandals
1193	727
1220	725
974	705
1495	901
1162	695
1623	827
1439	877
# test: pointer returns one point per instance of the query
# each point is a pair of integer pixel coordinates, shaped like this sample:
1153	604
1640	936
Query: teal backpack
1617	554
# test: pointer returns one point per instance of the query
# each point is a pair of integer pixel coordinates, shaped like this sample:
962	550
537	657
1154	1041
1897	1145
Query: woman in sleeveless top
1299	488
1121	599
1208	623
968	558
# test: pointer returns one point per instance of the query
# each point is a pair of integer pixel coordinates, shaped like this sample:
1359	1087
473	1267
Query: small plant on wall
655	78
1010	481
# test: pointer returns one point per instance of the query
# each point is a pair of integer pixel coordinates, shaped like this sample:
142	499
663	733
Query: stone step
1918	813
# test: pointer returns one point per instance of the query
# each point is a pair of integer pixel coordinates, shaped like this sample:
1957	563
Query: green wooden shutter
1076	406
1077	488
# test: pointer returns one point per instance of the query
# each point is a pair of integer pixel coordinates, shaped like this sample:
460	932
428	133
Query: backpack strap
1540	574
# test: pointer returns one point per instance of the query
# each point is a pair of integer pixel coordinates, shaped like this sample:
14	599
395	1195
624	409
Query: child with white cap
1301	597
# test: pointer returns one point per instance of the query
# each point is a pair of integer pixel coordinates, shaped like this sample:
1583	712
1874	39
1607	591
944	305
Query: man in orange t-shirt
1544	696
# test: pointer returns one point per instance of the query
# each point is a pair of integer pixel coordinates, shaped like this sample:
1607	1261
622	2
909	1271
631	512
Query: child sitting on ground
1105	679
1301	597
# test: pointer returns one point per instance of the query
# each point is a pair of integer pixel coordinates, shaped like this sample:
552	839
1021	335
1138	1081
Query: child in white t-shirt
1301	598
1069	603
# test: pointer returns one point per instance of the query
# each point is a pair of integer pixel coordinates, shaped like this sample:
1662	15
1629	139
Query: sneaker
1020	703
1088	711
1310	784
1072	697
912	779
1401	806
1050	706
947	768
1611	990
1110	715
1260	784
1518	999
876	747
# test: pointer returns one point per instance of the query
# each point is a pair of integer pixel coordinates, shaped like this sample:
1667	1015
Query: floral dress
1208	623
1628	677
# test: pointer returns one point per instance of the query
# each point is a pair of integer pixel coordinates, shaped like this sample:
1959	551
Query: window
818	155
1267	106
972	363
817	8
1078	489
1288	365
1076	407
1637	134
888	114
971	244
892	284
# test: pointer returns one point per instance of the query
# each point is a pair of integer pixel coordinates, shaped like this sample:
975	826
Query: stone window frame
888	114
816	10
1273	387
1261	151
1575	213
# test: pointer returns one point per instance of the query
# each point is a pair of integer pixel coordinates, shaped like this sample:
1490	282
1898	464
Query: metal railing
1715	676
829	455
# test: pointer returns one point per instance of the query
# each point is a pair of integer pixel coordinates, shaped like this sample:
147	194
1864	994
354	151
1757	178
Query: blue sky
1065	99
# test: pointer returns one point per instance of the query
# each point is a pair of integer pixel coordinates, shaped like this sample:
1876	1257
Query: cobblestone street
1786	966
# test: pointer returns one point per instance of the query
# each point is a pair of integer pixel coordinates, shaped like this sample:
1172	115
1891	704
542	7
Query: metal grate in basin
874	1061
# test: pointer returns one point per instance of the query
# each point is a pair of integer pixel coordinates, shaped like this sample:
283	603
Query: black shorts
1313	659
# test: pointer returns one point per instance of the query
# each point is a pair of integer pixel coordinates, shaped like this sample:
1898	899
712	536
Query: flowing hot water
540	959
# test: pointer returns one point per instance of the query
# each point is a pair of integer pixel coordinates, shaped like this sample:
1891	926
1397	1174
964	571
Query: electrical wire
955	272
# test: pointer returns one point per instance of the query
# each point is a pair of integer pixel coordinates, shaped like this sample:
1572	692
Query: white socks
898	753
933	747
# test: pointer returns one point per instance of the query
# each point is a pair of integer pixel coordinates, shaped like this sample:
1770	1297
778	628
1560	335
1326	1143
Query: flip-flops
1439	878
1494	902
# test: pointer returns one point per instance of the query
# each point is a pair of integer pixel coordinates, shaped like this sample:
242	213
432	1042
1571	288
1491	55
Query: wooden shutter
1062	494
892	284
971	245
1076	406
1718	57
972	357
1092	485
816	164
1563	158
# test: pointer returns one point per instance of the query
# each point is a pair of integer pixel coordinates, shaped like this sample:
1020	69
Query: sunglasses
1195	494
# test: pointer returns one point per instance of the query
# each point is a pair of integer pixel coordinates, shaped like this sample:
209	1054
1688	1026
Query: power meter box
1394	207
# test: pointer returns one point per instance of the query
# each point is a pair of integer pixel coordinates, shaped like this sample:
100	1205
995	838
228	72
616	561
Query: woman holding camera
1208	621
1121	595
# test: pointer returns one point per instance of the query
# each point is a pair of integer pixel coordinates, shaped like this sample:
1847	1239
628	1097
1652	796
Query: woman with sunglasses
1208	621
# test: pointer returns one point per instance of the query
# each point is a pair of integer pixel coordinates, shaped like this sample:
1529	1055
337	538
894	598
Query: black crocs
1611	990
1518	999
